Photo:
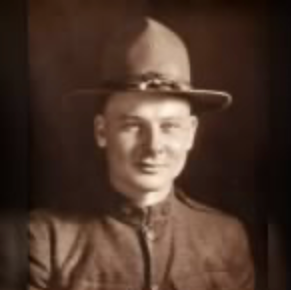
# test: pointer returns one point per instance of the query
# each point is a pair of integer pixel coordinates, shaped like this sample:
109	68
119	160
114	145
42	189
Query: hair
102	102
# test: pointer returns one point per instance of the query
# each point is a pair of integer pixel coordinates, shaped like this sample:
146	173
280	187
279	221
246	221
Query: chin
149	184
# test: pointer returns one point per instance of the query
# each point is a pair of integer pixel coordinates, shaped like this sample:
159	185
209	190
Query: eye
131	126
170	126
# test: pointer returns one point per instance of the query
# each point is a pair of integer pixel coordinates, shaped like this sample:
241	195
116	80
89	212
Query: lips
149	167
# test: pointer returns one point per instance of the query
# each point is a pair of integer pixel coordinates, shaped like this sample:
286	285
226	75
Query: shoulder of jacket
48	225
216	221
195	204
52	218
208	212
43	214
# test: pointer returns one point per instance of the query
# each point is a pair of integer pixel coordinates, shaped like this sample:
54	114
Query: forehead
147	104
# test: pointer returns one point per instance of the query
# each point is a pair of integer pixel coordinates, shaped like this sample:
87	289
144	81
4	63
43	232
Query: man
143	232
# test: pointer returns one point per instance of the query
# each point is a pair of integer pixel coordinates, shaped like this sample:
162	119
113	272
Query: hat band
147	81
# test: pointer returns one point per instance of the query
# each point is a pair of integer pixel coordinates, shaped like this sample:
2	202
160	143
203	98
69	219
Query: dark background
241	158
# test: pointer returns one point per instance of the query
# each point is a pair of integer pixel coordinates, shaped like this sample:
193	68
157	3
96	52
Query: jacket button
154	287
151	236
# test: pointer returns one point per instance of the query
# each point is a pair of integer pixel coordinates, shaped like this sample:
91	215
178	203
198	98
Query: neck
148	198
144	198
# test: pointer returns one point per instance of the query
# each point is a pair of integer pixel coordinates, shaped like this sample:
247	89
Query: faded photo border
49	49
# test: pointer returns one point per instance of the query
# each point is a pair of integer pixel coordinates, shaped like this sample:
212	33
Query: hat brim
201	100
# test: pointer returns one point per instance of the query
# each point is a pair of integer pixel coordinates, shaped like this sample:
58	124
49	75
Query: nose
152	140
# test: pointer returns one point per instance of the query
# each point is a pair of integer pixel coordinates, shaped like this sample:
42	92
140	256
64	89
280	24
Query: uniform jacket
178	244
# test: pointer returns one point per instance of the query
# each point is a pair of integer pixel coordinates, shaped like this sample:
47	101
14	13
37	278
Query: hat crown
154	48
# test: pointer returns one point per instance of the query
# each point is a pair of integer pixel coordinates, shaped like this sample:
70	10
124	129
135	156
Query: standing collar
124	210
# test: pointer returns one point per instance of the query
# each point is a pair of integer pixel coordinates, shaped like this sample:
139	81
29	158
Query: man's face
147	139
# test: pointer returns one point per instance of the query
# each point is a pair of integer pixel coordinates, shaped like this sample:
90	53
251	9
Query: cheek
179	145
182	138
178	153
121	145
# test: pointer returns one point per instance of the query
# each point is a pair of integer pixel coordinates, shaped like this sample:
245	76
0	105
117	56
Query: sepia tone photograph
147	125
149	146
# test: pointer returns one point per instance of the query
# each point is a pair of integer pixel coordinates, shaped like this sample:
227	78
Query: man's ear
192	131
99	131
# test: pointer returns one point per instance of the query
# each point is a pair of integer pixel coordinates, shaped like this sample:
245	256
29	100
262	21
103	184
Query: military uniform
177	244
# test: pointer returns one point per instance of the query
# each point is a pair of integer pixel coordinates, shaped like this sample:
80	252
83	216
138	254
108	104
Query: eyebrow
129	117
125	117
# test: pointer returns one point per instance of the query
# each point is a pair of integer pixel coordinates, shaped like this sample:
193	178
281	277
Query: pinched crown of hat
153	59
145	50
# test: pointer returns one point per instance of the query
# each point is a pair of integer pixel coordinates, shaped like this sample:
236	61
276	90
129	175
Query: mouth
150	168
